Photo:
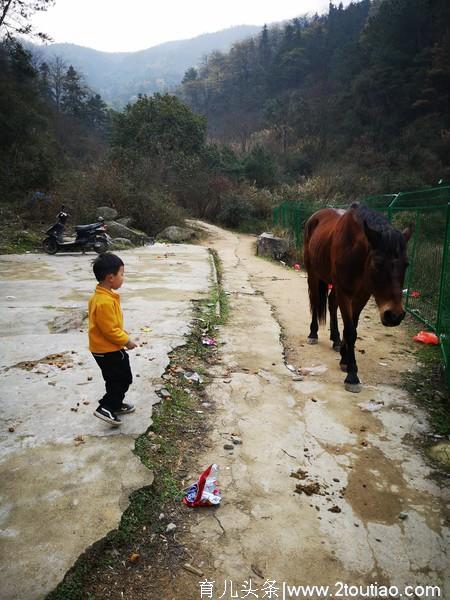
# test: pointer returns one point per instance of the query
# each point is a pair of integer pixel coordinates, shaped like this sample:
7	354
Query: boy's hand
130	345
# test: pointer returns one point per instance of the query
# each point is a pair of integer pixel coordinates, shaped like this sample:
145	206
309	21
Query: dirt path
377	512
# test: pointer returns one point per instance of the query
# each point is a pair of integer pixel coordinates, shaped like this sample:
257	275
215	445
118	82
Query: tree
96	112
190	75
56	72
27	145
260	167
73	94
159	125
15	16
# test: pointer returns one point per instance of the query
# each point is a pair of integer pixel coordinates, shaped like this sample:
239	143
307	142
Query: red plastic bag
415	294
426	337
297	267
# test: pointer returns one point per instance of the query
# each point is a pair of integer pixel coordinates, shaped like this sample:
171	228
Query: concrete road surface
65	475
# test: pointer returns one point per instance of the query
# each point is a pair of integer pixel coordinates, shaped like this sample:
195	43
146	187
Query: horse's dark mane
392	240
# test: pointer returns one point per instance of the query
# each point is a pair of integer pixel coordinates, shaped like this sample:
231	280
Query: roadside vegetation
325	109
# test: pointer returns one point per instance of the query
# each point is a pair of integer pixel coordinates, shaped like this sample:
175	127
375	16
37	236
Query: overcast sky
131	25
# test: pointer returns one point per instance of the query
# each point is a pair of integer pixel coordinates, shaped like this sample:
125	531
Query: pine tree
72	102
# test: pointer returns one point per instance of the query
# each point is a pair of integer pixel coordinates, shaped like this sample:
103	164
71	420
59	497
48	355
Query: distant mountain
120	76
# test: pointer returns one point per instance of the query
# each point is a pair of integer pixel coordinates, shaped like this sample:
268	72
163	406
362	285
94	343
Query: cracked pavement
382	512
65	475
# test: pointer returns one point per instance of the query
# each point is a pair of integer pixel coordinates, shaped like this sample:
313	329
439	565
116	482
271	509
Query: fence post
443	273
391	206
417	226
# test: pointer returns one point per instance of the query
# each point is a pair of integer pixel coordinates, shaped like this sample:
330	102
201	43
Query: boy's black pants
116	371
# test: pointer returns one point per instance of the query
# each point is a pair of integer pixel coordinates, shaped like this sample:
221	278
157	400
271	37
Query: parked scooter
88	237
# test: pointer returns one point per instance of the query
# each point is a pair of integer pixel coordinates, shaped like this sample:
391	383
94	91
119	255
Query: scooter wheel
50	246
100	246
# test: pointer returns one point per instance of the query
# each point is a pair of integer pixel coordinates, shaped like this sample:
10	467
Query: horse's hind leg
313	288
313	337
334	329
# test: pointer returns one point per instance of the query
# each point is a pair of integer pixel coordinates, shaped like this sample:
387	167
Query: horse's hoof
337	347
343	367
312	341
355	388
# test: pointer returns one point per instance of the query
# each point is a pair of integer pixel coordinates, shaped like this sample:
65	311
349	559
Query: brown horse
360	254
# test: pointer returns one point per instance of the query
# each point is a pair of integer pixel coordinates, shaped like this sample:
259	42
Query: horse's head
387	265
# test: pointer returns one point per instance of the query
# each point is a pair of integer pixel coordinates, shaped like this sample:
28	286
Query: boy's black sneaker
107	415
125	408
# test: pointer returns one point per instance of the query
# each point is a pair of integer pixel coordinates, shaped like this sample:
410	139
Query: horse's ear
372	235
407	233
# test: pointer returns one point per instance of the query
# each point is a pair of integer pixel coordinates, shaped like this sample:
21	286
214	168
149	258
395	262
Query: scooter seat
86	227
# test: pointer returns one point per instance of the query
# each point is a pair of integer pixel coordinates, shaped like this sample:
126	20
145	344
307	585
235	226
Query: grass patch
18	242
428	385
218	294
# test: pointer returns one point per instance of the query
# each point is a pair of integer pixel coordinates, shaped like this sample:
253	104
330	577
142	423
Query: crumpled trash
193	377
413	294
205	491
426	337
209	341
146	329
371	406
44	369
297	267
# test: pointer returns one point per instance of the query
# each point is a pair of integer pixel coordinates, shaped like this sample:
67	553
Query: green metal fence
427	282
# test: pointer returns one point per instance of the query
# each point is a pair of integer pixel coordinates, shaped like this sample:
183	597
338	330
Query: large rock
118	230
121	243
107	213
176	234
270	245
125	221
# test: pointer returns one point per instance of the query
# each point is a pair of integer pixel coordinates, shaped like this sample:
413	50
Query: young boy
107	338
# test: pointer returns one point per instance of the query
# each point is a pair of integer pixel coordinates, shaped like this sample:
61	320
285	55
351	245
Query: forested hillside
120	76
49	120
327	108
361	94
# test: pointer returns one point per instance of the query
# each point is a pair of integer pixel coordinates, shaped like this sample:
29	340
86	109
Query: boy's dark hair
106	264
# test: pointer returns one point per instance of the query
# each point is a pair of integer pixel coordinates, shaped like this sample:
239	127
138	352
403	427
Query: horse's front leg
348	360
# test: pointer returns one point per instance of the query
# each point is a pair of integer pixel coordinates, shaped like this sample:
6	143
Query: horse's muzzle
390	319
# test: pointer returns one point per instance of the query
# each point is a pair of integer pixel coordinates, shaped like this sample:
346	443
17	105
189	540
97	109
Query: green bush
260	167
235	210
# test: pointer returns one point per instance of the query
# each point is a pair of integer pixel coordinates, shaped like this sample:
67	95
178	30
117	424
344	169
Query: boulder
117	230
176	234
125	221
107	213
270	245
121	243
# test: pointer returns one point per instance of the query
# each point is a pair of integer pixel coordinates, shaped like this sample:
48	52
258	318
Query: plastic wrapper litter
205	491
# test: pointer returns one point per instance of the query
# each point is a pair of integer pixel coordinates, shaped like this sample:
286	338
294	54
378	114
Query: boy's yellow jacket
106	333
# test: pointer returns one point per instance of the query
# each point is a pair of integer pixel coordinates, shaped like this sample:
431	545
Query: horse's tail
318	289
